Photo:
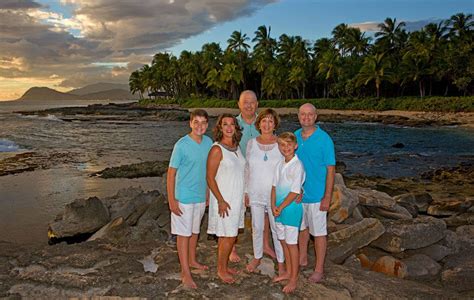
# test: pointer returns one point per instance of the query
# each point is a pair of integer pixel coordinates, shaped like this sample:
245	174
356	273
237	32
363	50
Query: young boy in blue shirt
188	193
287	183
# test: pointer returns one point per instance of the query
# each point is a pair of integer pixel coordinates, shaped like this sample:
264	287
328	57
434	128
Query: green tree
376	69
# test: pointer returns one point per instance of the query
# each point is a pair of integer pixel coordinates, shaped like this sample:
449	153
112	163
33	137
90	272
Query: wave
47	117
8	146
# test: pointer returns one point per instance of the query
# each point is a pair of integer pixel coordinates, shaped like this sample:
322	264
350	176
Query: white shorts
314	219
190	220
286	233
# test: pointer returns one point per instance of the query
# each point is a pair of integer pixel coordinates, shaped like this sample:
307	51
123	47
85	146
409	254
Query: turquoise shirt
316	153
189	159
289	178
249	131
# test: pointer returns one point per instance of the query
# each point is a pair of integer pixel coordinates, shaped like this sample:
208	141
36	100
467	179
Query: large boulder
135	208
420	266
115	230
343	243
343	202
408	201
436	251
396	213
79	217
414	201
458	271
449	208
390	266
461	219
373	198
465	236
401	235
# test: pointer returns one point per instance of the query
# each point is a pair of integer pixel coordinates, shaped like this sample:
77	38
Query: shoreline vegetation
435	60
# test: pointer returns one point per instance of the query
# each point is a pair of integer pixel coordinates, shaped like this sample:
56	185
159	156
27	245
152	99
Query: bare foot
252	266
281	277
196	265
234	257
188	282
303	261
270	252
233	271
290	287
316	277
226	277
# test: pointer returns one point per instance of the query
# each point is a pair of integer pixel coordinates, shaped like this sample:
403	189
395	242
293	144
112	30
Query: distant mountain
115	94
44	93
98	87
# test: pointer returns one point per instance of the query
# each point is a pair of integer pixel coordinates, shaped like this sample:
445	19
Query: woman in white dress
262	157
225	178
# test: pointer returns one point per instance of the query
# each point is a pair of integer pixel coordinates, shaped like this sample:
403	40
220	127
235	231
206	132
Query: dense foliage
433	103
436	60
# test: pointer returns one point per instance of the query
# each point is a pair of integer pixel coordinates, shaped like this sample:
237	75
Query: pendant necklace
265	158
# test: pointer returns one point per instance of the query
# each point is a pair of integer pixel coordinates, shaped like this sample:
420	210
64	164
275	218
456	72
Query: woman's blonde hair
218	129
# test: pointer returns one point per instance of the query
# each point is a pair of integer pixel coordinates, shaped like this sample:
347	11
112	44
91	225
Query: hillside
44	93
98	87
114	94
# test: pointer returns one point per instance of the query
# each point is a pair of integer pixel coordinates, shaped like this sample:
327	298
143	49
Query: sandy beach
466	119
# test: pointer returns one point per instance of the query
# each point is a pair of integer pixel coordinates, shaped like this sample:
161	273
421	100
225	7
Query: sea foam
8	146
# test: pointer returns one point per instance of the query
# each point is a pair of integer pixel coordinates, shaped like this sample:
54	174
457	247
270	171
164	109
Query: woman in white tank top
262	157
225	178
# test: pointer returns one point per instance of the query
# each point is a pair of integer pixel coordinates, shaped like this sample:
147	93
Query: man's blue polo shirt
249	131
316	153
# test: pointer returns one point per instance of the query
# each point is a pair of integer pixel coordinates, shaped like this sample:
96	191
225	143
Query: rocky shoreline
379	247
388	238
132	111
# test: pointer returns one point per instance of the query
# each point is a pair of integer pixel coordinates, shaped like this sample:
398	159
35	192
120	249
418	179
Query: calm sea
28	201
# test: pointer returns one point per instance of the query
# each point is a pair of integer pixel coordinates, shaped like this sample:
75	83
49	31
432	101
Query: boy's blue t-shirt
316	153
189	159
289	178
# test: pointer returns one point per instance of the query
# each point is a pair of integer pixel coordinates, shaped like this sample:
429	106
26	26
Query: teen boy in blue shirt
188	193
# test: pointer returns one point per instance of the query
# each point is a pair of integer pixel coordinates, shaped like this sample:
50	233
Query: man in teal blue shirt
316	152
187	192
248	105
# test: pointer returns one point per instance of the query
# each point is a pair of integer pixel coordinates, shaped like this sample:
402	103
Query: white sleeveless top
230	180
260	169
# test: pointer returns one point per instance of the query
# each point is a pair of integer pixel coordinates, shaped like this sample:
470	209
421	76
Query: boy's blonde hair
288	137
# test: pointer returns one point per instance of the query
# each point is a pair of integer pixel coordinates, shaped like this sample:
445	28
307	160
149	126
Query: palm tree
328	67
356	42
376	69
237	42
391	34
339	34
233	76
462	26
263	53
135	83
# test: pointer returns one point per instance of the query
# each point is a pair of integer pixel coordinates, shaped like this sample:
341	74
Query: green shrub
440	104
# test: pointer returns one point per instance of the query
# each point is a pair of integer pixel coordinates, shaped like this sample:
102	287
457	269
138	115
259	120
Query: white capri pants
258	224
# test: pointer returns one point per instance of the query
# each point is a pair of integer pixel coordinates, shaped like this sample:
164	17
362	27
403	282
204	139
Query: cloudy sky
65	44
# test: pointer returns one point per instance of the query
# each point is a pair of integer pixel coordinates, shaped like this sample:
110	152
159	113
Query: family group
286	180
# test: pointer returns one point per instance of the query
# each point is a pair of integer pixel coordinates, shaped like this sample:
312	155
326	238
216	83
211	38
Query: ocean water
28	201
